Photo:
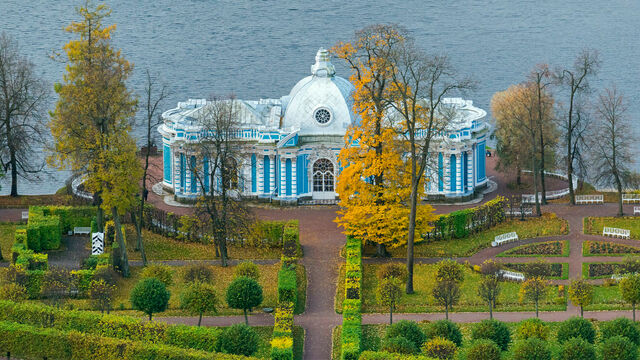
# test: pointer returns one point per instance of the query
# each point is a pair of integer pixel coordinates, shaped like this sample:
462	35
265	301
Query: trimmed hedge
287	284
282	342
25	341
291	248
47	224
26	259
352	305
382	355
461	223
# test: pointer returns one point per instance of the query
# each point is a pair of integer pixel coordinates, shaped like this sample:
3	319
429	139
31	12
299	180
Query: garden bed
547	248
559	271
594	225
599	270
607	248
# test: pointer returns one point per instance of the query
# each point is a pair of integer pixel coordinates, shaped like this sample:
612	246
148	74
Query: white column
176	171
458	172
446	172
283	177
260	173
470	170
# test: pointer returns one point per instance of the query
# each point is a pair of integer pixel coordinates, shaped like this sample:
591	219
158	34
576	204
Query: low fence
554	194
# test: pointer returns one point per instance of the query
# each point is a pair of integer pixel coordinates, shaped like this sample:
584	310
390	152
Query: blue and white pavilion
290	145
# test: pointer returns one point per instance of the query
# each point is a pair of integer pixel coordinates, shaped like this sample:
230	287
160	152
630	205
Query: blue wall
452	172
276	186
464	172
481	161
440	172
166	153
254	173
194	183
266	181
287	170
205	166
301	175
183	172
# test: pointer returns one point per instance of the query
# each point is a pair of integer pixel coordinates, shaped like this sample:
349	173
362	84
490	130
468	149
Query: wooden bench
631	198
81	230
511	275
636	210
615	232
25	215
589	199
504	238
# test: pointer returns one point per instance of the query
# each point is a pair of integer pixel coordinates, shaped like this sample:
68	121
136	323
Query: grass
607	298
158	247
422	300
586	249
594	225
7	234
513	252
546	225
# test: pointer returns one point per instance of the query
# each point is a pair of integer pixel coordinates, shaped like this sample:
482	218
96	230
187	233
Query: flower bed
547	248
607	248
557	269
599	270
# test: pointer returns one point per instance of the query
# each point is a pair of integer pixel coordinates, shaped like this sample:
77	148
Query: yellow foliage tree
91	123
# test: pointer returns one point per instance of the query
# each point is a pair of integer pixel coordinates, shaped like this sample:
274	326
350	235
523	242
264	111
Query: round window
322	116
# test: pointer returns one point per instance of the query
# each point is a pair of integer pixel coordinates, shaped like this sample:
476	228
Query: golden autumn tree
92	119
374	183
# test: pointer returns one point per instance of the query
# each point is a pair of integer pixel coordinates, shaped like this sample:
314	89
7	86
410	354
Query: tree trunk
14	172
200	320
581	311
246	319
123	247
535	183
446	312
391	315
411	236
139	245
100	219
633	307
619	186
518	176
543	187
150	316
381	250
536	308
491	310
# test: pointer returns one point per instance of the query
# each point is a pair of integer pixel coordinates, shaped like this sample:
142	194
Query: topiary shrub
620	326
576	327
398	271
531	349
532	328
440	348
445	329
399	345
244	293
577	349
13	292
238	339
483	349
618	348
493	330
247	269
150	296
407	329
197	273
160	272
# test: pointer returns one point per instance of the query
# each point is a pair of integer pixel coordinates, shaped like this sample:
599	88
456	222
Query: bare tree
612	141
421	82
575	81
22	114
217	157
154	97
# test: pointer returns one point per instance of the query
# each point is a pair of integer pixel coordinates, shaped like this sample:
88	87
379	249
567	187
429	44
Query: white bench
589	199
630	198
636	210
504	238
517	212
615	232
81	230
25	215
511	275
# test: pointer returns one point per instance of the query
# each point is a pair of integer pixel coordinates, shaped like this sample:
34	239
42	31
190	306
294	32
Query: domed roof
320	104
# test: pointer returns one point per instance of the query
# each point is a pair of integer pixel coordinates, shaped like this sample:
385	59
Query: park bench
589	199
81	230
636	210
504	238
615	232
25	215
631	198
516	212
511	275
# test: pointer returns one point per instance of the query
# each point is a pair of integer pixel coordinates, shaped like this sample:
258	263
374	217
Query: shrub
445	329
399	345
440	348
238	339
101	294
620	326
577	349
576	327
199	298
483	349
197	273
383	355
150	296
532	328
618	348
409	330
493	330
287	284
388	270
531	349
13	292
107	274
244	293
248	269
160	272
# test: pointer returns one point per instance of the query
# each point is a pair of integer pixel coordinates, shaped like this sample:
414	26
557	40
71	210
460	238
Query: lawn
607	248
594	225
158	247
422	300
7	234
546	225
541	249
607	298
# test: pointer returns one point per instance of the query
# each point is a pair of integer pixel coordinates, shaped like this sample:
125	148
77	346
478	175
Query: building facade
290	145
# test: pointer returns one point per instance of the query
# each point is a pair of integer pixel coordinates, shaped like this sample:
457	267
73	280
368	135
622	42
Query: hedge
461	223
351	312
121	327
70	216
24	341
291	247
282	342
382	355
47	224
287	284
26	259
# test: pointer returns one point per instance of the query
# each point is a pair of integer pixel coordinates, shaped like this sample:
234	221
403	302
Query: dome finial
323	66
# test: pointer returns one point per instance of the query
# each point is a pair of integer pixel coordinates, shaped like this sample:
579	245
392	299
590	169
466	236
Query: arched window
323	175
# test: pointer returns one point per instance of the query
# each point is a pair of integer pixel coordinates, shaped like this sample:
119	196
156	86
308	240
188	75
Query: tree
576	81
373	184
23	98
101	294
92	119
581	294
449	275
488	290
578	349
389	293
199	298
244	293
576	327
214	165
512	155
534	289
248	269
618	348
150	296
154	98
614	141
531	349
630	290
161	272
